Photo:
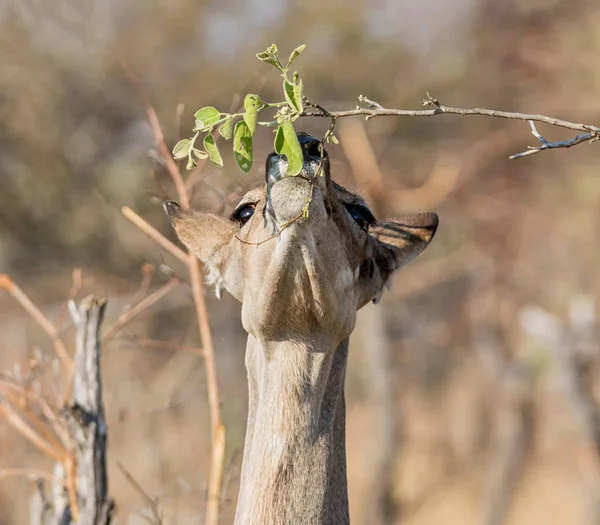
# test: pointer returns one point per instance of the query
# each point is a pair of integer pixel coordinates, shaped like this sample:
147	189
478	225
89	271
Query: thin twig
15	420
147	274
217	429
151	502
164	345
32	419
546	144
154	234
71	485
76	285
590	133
129	315
56	424
29	472
11	287
169	163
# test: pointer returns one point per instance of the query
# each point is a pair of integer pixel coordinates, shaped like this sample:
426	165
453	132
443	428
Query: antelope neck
294	467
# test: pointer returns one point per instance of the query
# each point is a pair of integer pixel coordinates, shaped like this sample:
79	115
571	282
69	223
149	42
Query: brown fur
300	292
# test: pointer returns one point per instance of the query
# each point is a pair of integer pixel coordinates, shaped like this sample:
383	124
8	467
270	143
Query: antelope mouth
289	197
276	168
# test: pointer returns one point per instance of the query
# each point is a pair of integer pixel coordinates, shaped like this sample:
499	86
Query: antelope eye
243	213
361	215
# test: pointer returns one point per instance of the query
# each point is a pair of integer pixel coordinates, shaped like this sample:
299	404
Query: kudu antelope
301	280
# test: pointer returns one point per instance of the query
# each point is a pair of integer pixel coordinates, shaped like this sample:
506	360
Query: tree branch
133	312
86	420
591	136
193	265
11	287
590	133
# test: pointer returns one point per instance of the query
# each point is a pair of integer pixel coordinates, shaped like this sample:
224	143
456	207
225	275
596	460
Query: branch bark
86	419
78	489
590	133
218	441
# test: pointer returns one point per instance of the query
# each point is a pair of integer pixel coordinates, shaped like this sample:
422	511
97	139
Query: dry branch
151	502
11	287
132	313
17	422
193	265
78	486
164	345
77	283
589	133
154	234
165	154
86	419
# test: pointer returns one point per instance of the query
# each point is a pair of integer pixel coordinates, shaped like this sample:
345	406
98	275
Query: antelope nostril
171	208
313	149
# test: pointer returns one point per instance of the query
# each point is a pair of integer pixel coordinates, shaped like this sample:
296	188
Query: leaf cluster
242	126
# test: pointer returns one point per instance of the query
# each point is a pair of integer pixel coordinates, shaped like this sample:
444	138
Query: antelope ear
207	236
403	239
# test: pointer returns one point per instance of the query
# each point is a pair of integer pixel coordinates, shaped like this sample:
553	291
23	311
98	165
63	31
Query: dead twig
218	431
166	157
164	345
32	473
151	502
17	422
147	275
590	133
86	468
546	144
131	314
26	397
32	419
154	234
77	283
11	287
193	265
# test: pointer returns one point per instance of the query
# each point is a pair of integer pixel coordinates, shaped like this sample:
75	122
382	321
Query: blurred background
473	387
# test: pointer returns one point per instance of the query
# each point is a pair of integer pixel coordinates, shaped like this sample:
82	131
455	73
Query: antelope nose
171	208
310	147
277	164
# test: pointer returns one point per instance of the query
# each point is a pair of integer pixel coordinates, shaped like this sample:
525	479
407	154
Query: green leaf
226	130
182	148
251	105
199	153
286	143
242	146
291	92
298	91
268	59
295	53
212	150
191	163
206	118
271	56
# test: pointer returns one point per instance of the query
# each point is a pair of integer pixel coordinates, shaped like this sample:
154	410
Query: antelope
301	277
